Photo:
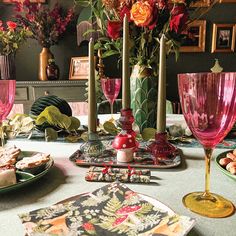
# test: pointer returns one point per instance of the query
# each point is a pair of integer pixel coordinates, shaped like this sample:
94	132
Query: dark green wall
27	57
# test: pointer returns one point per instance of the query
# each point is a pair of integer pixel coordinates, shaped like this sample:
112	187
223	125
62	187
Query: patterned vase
7	67
44	56
143	86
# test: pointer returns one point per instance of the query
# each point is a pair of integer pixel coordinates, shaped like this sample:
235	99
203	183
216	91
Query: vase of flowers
148	20
12	35
48	26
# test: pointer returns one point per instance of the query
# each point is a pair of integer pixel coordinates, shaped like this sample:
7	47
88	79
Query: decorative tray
25	178
142	158
227	173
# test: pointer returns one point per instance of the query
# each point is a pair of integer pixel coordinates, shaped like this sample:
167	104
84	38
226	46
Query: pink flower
11	25
179	18
125	11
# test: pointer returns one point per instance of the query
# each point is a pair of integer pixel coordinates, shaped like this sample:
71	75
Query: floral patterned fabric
111	210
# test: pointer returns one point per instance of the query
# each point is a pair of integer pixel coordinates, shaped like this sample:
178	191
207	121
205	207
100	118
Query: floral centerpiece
148	20
12	35
48	26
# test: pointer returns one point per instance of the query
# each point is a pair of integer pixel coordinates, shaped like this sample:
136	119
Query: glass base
212	205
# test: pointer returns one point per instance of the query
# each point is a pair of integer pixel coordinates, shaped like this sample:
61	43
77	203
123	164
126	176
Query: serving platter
227	173
24	178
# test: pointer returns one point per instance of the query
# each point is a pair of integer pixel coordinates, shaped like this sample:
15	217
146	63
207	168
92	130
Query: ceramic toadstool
125	144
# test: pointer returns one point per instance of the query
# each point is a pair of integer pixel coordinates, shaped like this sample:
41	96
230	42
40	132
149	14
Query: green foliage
148	133
12	39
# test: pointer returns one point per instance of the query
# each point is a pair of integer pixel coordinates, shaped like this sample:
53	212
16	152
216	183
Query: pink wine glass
7	96
208	103
111	89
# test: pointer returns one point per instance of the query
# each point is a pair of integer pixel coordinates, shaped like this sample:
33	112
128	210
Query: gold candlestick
161	102
125	66
92	111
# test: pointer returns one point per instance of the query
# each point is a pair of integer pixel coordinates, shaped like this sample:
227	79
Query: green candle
125	66
161	98
92	109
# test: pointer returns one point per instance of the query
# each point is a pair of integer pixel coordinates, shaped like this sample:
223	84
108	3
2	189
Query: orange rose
142	13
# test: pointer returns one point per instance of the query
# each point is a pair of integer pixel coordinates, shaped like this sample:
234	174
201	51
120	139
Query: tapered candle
161	98
92	110
125	66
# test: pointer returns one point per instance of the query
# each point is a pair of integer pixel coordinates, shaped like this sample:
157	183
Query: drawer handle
46	93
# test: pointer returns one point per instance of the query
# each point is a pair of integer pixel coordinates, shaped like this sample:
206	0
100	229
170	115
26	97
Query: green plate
24	178
217	159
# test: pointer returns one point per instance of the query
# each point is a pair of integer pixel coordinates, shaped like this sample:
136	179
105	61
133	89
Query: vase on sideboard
7	67
44	56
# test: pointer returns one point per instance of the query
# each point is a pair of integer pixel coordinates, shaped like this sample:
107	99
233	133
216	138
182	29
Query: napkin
111	210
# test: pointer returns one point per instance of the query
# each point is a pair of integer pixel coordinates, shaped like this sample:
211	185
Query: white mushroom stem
125	155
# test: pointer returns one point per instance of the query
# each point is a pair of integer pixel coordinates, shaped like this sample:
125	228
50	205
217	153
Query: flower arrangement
12	35
148	20
47	25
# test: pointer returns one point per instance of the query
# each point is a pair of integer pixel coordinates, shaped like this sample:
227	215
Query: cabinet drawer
75	93
21	94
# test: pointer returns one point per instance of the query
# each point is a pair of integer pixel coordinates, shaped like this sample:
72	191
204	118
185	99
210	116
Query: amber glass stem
1	135
208	155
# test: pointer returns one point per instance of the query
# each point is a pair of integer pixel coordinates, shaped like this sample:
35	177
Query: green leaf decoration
53	116
27	125
84	136
72	138
50	134
110	128
148	133
75	123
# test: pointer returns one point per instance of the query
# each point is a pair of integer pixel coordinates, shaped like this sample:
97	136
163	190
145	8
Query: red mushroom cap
120	220
127	209
124	141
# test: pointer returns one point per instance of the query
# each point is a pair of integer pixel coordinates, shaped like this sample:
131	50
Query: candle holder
93	147
161	148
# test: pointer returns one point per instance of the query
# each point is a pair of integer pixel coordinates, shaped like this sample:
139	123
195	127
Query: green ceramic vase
143	85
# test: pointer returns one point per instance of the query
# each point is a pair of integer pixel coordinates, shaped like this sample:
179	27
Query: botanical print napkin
111	210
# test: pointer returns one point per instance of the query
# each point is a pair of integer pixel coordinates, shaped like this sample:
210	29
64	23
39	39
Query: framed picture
223	38
195	37
227	1
79	68
201	3
11	1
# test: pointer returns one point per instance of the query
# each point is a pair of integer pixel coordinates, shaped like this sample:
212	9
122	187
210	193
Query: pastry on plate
9	155
33	164
7	175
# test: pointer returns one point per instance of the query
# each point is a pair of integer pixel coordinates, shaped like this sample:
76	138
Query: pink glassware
7	96
111	89
208	103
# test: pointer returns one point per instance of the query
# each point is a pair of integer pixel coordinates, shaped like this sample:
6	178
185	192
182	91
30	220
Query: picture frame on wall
227	1
195	39
79	68
223	38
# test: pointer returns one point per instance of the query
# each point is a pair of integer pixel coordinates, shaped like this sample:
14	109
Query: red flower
125	10
11	25
113	29
88	226
179	18
1	26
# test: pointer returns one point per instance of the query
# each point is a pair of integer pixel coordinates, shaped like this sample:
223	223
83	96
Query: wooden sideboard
28	91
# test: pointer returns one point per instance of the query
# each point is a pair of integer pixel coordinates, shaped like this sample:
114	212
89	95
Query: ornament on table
125	145
217	68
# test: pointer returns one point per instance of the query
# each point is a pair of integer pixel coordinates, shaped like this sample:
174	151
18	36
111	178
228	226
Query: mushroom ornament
125	144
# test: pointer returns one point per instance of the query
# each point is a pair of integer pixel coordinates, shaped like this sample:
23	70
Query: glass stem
1	135
208	155
111	104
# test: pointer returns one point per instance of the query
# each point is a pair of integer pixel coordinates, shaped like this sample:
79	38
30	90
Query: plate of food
226	162
19	168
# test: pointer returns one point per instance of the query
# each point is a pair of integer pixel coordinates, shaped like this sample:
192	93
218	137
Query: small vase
7	67
52	70
143	86
44	56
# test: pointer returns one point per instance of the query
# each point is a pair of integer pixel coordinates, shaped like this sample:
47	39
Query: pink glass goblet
208	103
7	96
111	89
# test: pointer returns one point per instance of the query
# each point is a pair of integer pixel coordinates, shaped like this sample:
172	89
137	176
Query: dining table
65	179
